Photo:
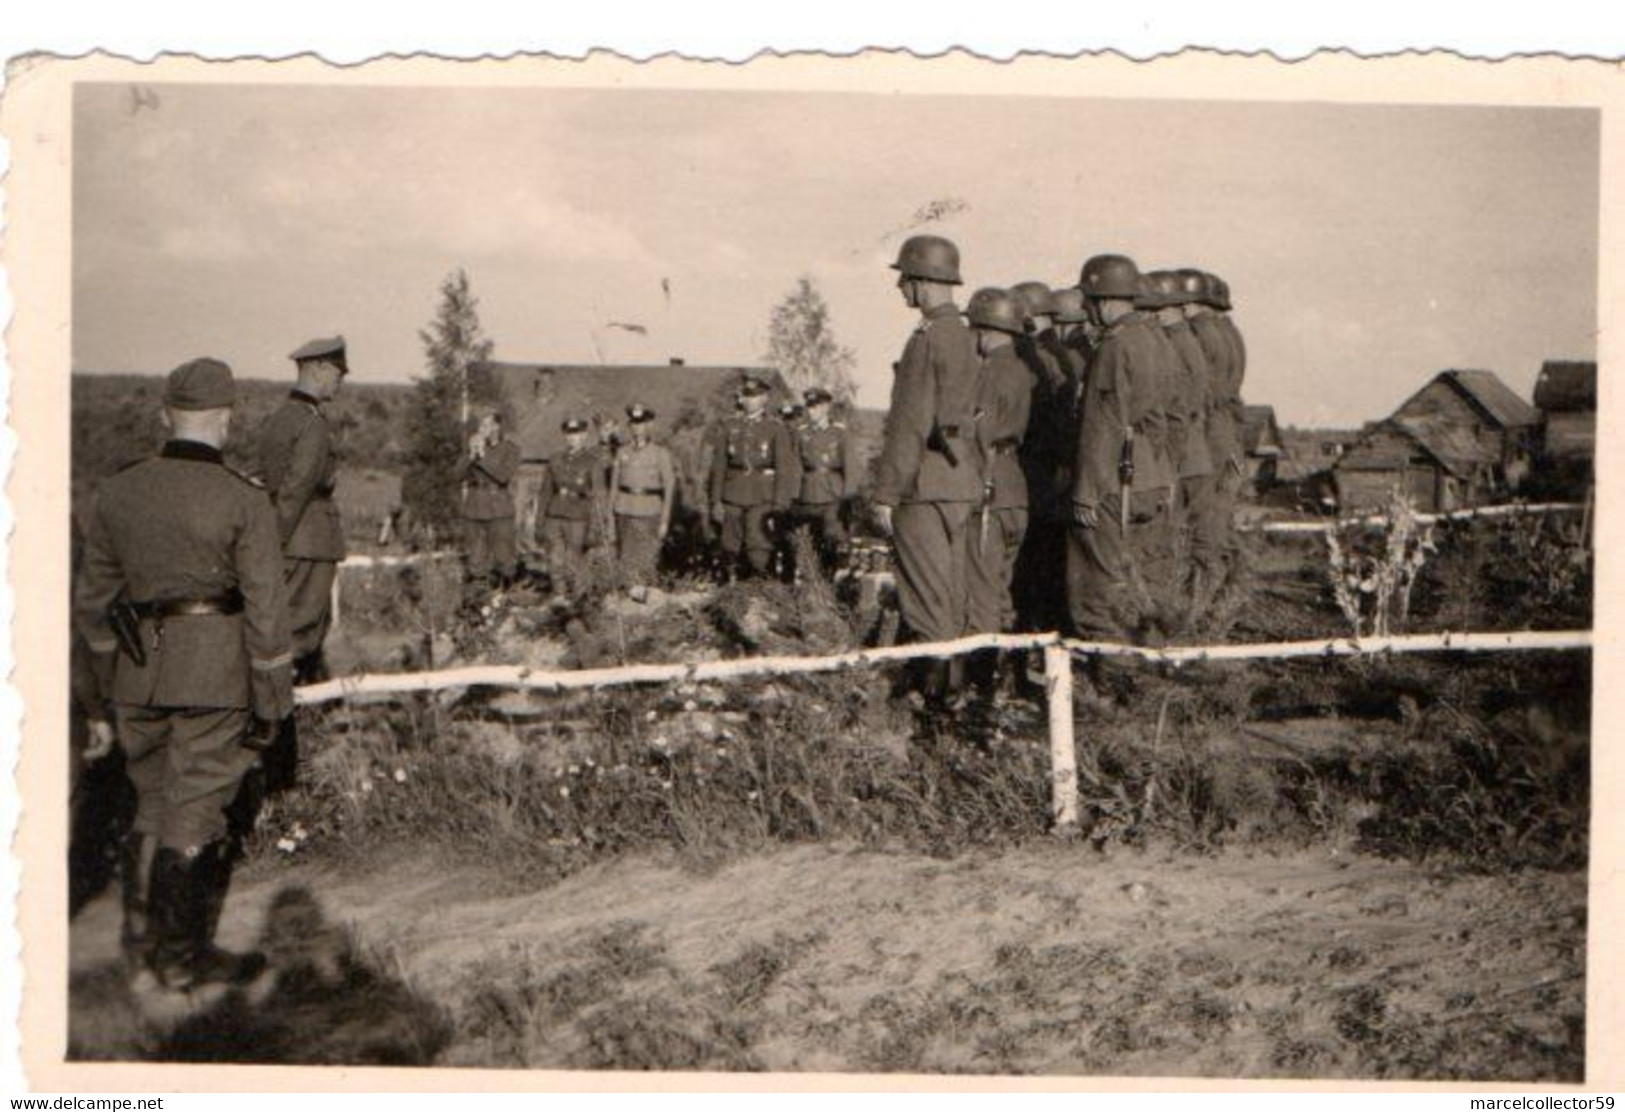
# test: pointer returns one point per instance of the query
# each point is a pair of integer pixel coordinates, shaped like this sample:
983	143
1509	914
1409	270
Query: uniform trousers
745	530
491	547
566	540
994	542
310	603
1107	586
638	546
187	764
930	542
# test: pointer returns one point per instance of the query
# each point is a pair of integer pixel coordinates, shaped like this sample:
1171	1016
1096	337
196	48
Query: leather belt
571	492
819	470
643	490
752	470
229	603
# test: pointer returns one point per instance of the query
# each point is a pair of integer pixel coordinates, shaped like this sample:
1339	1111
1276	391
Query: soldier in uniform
300	469
929	477
998	524
1046	453
829	474
489	531
571	502
1122	479
643	488
754	475
1226	355
183	604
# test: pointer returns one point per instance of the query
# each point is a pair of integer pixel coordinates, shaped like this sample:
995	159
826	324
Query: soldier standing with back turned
181	601
929	478
300	470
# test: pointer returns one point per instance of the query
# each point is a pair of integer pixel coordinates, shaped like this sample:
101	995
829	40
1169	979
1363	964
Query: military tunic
300	468
643	484
488	511
933	401
829	477
1196	479
1221	343
570	504
999	523
183	528
755	473
1126	390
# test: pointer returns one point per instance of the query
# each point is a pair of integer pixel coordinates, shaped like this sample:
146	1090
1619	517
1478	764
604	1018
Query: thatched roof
1260	433
1566	386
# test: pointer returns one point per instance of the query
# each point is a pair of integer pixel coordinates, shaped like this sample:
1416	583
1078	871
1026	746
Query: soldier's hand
883	518
262	734
1085	515
665	527
103	738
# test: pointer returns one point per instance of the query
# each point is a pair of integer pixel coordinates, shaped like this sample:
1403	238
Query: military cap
329	349
751	386
790	411
574	424
817	395
638	413
200	384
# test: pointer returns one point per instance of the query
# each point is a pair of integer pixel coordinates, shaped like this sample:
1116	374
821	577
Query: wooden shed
1263	444
1566	396
1458	406
1437	464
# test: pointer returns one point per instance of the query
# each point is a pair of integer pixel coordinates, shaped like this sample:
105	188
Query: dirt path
1048	959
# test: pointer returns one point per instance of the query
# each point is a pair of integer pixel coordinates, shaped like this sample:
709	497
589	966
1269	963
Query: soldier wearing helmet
754	474
929	477
1057	370
997	318
1221	343
1122	478
1174	291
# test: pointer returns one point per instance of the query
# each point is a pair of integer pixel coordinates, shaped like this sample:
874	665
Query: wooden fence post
1063	757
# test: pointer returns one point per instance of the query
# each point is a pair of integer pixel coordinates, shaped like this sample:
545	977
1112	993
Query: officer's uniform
932	407
829	476
643	484
300	469
1195	459
1122	391
570	502
192	547
488	511
754	474
999	523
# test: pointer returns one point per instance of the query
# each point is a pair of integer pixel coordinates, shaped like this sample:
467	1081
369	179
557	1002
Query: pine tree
802	344
453	342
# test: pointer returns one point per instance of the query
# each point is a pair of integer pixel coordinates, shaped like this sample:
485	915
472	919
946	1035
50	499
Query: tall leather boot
135	871
212	880
169	928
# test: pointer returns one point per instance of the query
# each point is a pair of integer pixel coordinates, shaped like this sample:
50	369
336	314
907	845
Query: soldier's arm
266	633
1020	408
544	491
908	422
306	461
101	579
786	469
850	469
501	463
719	467
668	487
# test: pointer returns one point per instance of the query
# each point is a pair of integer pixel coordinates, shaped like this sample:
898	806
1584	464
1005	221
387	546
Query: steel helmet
1036	297
1000	310
1221	293
930	257
1196	285
1113	276
1069	306
1163	288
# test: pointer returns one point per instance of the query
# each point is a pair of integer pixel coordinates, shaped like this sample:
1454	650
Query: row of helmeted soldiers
1063	459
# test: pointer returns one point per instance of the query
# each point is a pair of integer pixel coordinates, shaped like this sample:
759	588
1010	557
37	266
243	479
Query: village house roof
538	396
1494	398
1390	446
1260	434
1566	386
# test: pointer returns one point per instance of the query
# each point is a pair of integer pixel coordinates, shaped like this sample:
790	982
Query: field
1365	868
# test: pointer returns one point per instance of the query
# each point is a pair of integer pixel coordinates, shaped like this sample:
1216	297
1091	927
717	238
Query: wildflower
366	785
400	775
651	716
564	793
665	785
575	770
286	845
691	706
659	742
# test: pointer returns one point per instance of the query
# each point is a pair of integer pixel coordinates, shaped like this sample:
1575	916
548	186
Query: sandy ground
1049	959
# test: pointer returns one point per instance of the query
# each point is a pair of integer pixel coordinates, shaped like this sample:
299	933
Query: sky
1367	247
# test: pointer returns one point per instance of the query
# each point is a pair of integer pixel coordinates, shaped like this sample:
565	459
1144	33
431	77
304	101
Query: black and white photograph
954	579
